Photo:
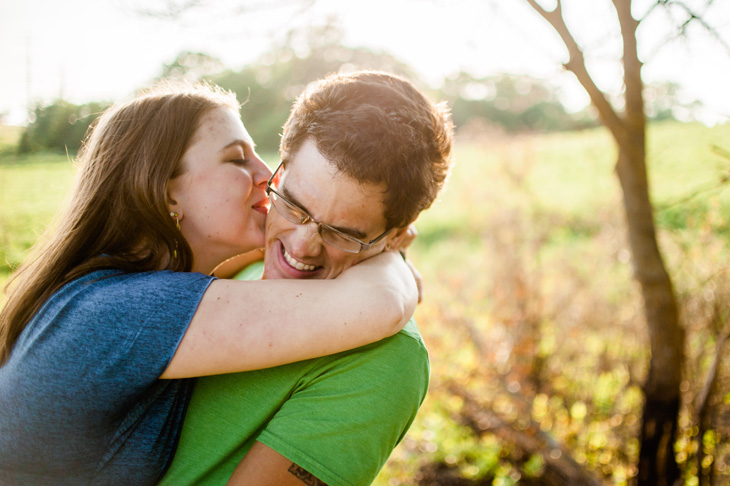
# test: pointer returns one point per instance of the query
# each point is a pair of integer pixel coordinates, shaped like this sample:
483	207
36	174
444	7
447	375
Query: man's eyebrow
355	233
238	142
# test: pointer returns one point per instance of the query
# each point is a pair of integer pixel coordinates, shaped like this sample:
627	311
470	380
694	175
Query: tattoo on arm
304	476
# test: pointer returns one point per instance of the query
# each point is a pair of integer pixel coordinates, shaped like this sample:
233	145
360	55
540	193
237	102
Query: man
362	156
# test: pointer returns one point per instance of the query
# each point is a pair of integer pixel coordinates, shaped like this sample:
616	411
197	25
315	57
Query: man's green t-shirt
339	417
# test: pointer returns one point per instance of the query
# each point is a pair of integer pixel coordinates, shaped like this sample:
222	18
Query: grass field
530	304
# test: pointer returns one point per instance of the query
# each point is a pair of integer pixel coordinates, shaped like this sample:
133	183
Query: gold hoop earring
177	219
177	225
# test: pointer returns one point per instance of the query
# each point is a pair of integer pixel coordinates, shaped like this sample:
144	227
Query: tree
191	66
60	126
657	463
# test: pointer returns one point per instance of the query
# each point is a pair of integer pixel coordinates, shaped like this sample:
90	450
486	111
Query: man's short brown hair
376	128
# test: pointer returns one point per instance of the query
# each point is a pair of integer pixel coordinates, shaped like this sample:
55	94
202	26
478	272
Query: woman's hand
416	275
405	242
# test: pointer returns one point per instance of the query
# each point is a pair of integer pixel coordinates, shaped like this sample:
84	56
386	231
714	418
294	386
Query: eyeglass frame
309	219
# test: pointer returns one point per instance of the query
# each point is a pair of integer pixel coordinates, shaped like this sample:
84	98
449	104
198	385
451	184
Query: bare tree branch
175	10
171	10
702	397
632	67
561	467
693	17
576	64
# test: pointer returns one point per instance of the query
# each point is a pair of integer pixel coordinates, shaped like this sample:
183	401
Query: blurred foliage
662	101
191	66
9	137
269	86
511	103
60	126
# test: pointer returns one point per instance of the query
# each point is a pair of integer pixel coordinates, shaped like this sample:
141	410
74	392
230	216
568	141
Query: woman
116	306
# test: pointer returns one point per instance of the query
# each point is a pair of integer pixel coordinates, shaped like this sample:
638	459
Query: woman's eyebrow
238	142
356	233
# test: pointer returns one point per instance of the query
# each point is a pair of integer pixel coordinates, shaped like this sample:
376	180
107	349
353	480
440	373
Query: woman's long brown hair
117	216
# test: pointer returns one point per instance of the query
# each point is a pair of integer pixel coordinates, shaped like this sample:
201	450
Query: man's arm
263	466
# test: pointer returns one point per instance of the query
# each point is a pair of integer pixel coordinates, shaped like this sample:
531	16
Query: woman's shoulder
113	291
112	280
111	305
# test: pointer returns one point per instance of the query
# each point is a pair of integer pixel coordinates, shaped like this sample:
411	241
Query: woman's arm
242	326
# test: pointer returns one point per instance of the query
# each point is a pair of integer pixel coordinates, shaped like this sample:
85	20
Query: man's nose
305	240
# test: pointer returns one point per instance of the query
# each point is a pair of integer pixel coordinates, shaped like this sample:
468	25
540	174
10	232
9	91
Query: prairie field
530	314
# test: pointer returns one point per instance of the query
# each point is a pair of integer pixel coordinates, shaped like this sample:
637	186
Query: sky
94	50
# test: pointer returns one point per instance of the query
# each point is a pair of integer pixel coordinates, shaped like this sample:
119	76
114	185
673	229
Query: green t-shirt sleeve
342	423
254	271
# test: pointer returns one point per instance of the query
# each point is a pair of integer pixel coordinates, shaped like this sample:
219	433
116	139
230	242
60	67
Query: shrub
60	126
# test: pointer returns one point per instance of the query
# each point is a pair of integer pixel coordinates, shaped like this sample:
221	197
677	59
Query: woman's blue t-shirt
81	401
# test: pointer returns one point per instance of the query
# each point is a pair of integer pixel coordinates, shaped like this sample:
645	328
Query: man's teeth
298	265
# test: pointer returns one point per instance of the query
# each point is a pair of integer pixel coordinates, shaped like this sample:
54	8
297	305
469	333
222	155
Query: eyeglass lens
298	216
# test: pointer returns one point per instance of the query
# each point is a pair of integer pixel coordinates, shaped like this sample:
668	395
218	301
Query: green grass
9	137
32	189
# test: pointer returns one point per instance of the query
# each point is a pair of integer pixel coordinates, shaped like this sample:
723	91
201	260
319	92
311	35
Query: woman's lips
262	206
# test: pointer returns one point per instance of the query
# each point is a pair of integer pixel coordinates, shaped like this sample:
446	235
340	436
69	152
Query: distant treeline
268	87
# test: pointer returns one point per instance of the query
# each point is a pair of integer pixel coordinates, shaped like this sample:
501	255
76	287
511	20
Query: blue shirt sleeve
80	396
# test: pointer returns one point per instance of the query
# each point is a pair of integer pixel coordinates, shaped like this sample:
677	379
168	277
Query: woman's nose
261	172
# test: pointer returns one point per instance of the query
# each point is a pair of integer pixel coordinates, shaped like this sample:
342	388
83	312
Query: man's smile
303	267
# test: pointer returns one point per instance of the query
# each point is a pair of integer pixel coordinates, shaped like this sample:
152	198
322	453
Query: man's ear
402	237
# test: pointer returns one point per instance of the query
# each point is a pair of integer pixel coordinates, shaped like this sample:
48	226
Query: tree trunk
657	464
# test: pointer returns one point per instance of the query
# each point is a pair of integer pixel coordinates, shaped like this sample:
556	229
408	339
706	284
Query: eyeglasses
332	236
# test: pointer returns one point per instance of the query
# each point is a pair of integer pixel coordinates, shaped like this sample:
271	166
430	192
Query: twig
702	398
561	468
